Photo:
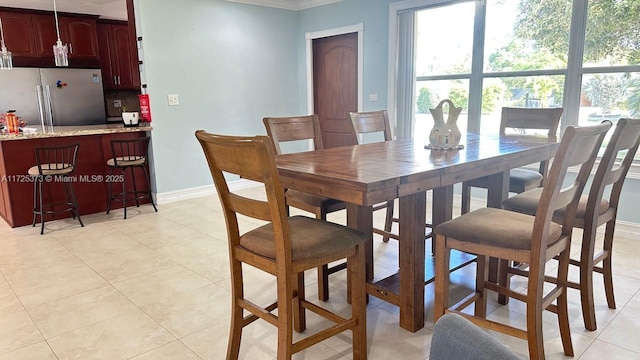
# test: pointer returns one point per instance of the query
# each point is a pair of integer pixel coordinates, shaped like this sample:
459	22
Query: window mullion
573	81
477	63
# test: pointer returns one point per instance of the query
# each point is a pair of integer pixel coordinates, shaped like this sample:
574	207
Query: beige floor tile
623	329
122	337
49	288
634	303
599	350
180	300
159	234
206	256
17	330
39	351
172	351
58	262
74	312
27	247
119	257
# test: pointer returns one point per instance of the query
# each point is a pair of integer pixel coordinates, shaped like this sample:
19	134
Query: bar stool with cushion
371	122
595	209
519	121
300	128
54	164
129	155
533	240
285	247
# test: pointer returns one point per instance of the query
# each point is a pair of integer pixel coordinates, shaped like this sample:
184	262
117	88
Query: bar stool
54	164
129	154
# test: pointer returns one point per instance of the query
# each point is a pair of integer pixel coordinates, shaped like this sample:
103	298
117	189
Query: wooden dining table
367	174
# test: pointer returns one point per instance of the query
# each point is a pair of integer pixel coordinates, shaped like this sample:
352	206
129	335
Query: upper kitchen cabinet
18	33
118	63
78	32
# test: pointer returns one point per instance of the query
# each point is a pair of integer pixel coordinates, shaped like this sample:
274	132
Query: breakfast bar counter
90	180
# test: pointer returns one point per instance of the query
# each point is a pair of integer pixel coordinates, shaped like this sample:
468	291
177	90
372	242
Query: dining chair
519	122
371	122
595	209
284	247
294	129
530	239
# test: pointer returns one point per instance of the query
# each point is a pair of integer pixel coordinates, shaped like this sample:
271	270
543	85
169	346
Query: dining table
405	169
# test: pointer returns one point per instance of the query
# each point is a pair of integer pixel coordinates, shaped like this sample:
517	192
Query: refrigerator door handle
40	96
48	107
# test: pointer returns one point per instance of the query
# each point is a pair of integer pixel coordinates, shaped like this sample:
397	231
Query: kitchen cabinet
118	63
79	33
18	33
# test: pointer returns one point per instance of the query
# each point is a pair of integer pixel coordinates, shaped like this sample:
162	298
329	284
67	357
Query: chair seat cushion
495	227
309	238
527	203
51	169
519	180
126	161
311	199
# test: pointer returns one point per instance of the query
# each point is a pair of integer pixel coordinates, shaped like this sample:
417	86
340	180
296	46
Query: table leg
412	219
361	218
497	192
441	208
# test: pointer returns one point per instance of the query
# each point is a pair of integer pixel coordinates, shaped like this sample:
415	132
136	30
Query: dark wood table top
382	170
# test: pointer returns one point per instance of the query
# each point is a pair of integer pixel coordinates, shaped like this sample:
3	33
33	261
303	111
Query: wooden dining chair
285	247
295	129
595	209
520	121
534	240
364	123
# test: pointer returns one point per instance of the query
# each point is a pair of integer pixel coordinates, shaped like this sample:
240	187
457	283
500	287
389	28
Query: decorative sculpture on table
445	136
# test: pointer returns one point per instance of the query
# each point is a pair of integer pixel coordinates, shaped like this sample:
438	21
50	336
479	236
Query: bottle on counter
12	122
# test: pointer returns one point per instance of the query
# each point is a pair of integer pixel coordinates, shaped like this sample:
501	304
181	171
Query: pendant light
6	62
60	52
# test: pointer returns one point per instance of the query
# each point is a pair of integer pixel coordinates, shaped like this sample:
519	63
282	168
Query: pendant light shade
60	51
6	61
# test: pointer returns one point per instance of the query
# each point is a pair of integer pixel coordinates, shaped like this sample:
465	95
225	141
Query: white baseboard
191	193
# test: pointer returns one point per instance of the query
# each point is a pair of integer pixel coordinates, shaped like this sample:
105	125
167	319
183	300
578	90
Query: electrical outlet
172	100
117	103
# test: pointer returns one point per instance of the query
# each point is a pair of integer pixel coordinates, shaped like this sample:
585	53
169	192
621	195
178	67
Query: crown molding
287	4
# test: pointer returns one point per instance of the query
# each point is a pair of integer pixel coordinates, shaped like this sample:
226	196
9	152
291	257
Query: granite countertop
61	131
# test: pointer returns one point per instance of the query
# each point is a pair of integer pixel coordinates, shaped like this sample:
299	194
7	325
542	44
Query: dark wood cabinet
118	63
81	35
18	33
31	34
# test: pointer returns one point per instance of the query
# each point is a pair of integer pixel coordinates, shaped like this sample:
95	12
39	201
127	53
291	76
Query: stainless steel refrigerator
59	97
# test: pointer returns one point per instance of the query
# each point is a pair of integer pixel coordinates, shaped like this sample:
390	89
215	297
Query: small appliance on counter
130	119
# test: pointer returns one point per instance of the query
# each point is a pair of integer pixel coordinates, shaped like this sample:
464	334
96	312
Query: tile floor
156	286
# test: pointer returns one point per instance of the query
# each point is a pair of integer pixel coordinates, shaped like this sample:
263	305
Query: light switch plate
117	103
172	100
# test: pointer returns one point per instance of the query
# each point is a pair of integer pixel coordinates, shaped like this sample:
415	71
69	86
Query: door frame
310	36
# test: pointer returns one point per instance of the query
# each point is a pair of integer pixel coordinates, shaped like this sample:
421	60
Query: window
583	55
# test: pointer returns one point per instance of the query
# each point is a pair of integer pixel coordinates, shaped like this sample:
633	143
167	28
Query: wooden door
44	28
124	60
335	86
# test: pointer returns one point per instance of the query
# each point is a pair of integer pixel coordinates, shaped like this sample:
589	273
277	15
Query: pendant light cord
55	12
1	34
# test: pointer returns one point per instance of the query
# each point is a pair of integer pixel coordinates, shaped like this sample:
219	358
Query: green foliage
612	28
604	90
490	96
425	101
459	96
633	98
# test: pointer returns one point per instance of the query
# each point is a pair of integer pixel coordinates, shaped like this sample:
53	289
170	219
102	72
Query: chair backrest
130	150
370	122
294	128
56	157
522	119
578	148
626	137
250	158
